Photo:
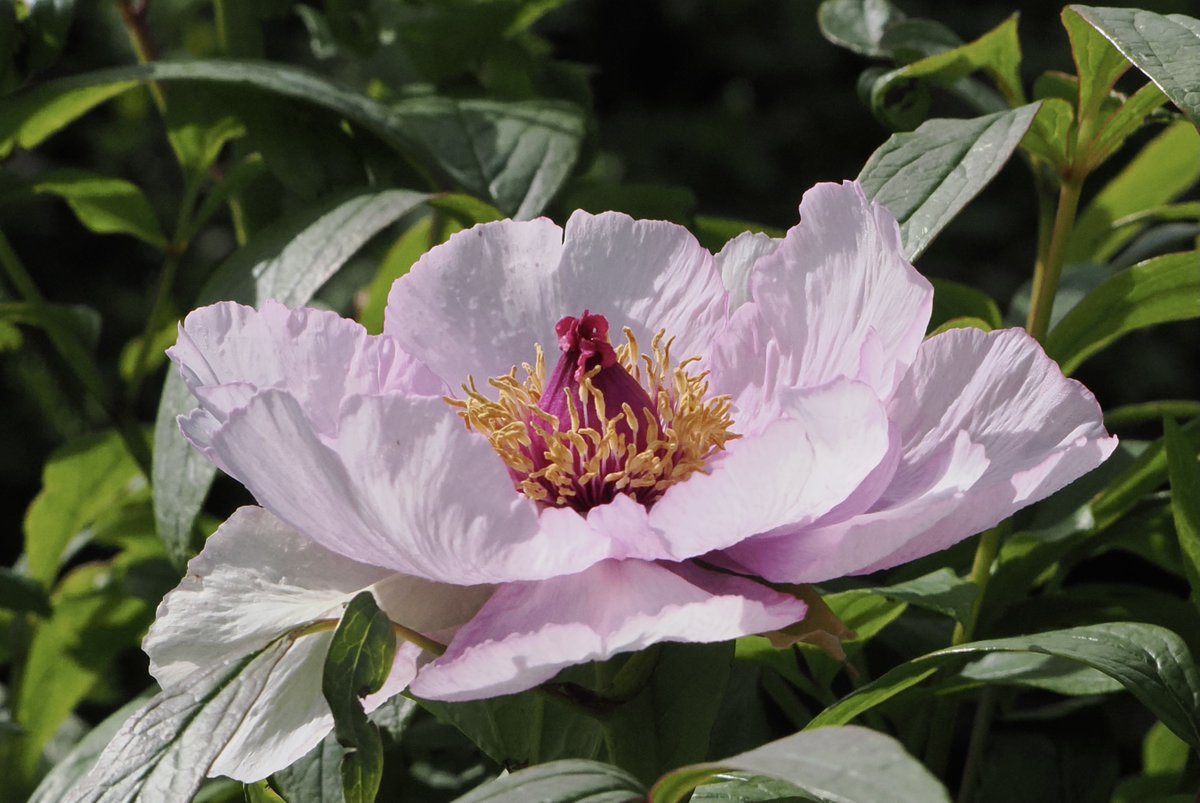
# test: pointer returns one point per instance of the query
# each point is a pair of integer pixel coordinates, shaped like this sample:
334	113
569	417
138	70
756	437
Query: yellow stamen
552	466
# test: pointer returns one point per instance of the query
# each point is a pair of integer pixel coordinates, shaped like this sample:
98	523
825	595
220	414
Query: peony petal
649	275
989	425
477	304
529	631
226	352
836	299
1039	430
403	485
736	260
836	450
258	580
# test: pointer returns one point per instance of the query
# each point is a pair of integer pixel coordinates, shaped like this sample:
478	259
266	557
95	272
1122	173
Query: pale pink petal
226	352
835	547
836	299
649	275
1039	430
527	632
402	484
989	425
835	449
477	304
736	260
256	581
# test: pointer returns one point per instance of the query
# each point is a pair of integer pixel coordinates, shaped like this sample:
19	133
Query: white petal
258	580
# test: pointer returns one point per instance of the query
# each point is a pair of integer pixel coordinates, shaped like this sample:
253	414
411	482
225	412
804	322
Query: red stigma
587	336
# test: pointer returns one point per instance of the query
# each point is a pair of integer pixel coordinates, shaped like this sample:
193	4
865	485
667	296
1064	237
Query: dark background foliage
739	106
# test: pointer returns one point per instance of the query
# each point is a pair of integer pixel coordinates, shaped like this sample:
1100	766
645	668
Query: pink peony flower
687	425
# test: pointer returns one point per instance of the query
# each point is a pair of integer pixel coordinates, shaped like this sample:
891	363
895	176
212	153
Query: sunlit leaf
1162	289
1149	661
1163	170
105	205
567	781
1165	47
1184	472
839	765
80	483
925	177
858	25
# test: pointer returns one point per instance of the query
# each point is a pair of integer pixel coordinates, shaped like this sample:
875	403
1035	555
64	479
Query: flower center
607	421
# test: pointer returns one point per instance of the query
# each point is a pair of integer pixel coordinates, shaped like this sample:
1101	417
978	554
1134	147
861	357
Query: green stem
162	299
945	714
1151	411
143	45
77	358
978	741
1047	272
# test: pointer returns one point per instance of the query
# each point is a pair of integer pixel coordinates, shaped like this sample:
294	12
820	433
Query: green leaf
462	210
1150	661
1162	171
359	661
288	262
1047	672
567	781
22	594
1049	136
997	52
941	591
1147	472
963	323
105	205
317	775
517	730
1184	472
714	232
97	615
73	768
1165	47
197	134
83	322
81	482
513	154
925	177
1098	66
29	118
858	25
744	788
1159	290
955	300
165	749
403	254
662	727
1127	119
842	765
